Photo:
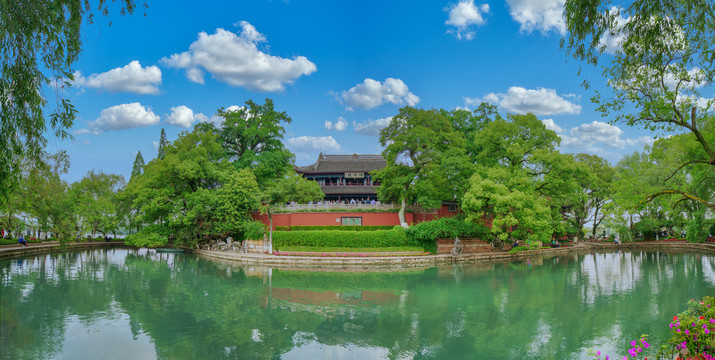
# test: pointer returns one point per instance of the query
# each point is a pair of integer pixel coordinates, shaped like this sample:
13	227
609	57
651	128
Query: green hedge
425	234
11	241
338	238
145	239
334	227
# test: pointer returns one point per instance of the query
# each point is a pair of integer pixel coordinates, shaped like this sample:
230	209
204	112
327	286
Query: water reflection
119	303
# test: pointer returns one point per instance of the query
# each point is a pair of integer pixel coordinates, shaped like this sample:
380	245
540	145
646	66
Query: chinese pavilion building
345	177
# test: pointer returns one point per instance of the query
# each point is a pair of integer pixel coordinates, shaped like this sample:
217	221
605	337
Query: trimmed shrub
333	227
145	239
336	238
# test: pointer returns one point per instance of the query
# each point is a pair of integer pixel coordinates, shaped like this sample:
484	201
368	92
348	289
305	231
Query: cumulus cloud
596	132
184	117
131	78
313	143
123	117
540	101
551	125
236	60
541	15
641	141
464	15
339	125
372	127
372	93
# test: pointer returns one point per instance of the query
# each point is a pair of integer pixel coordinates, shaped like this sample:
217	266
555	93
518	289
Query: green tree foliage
418	146
251	137
593	191
138	165
194	191
39	41
162	145
291	187
521	182
664	58
95	199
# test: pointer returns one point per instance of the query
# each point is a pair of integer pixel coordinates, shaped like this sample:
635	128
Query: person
22	240
515	244
616	240
554	243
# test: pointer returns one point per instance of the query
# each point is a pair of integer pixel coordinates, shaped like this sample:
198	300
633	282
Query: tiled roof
344	163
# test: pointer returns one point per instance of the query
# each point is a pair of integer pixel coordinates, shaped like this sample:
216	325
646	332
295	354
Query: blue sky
339	69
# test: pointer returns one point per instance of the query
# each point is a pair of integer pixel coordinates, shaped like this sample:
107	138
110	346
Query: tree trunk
270	234
401	214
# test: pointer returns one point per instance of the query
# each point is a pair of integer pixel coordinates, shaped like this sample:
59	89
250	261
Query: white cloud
641	141
131	78
236	60
540	101
339	125
123	117
313	143
551	125
465	14
588	135
81	131
184	117
541	15
372	127
372	93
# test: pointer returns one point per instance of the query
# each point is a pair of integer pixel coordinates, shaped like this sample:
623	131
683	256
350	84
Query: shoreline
367	263
406	262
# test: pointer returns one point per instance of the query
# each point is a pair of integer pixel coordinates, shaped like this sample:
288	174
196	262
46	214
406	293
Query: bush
691	331
425	234
333	227
336	238
145	239
518	249
252	230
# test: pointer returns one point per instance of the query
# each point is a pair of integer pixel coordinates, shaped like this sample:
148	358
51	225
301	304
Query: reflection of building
345	177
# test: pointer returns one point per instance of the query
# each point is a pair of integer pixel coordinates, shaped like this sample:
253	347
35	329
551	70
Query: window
351	221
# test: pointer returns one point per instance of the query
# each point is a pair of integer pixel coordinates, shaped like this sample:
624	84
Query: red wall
333	218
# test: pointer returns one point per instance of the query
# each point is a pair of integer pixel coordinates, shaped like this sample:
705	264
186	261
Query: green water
137	304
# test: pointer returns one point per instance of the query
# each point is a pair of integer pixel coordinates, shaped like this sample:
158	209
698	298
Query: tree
251	136
664	56
291	187
514	208
416	141
518	174
39	41
162	144
138	165
96	201
586	203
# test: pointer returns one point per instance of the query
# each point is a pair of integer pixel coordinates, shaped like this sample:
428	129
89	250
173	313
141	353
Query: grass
321	249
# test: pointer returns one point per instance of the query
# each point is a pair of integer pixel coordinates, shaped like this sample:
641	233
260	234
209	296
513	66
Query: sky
340	69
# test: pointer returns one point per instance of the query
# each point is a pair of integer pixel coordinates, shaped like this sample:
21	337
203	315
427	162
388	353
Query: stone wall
471	246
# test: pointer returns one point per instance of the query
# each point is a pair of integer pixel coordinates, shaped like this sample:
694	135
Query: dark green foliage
336	238
334	227
446	228
145	238
252	230
519	249
697	228
425	234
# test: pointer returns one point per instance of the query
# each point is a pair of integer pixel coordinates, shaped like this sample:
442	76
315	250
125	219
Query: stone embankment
431	260
13	251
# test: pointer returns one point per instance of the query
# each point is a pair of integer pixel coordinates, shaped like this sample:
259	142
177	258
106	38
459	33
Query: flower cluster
693	331
637	346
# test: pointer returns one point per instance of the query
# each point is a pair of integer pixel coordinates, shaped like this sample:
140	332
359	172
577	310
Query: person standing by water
22	240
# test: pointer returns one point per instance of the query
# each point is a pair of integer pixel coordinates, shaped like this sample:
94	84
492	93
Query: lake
139	304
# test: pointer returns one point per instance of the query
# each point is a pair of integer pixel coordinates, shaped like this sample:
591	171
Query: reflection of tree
196	308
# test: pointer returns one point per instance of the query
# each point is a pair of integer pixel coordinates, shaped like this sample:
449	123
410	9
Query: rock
457	249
